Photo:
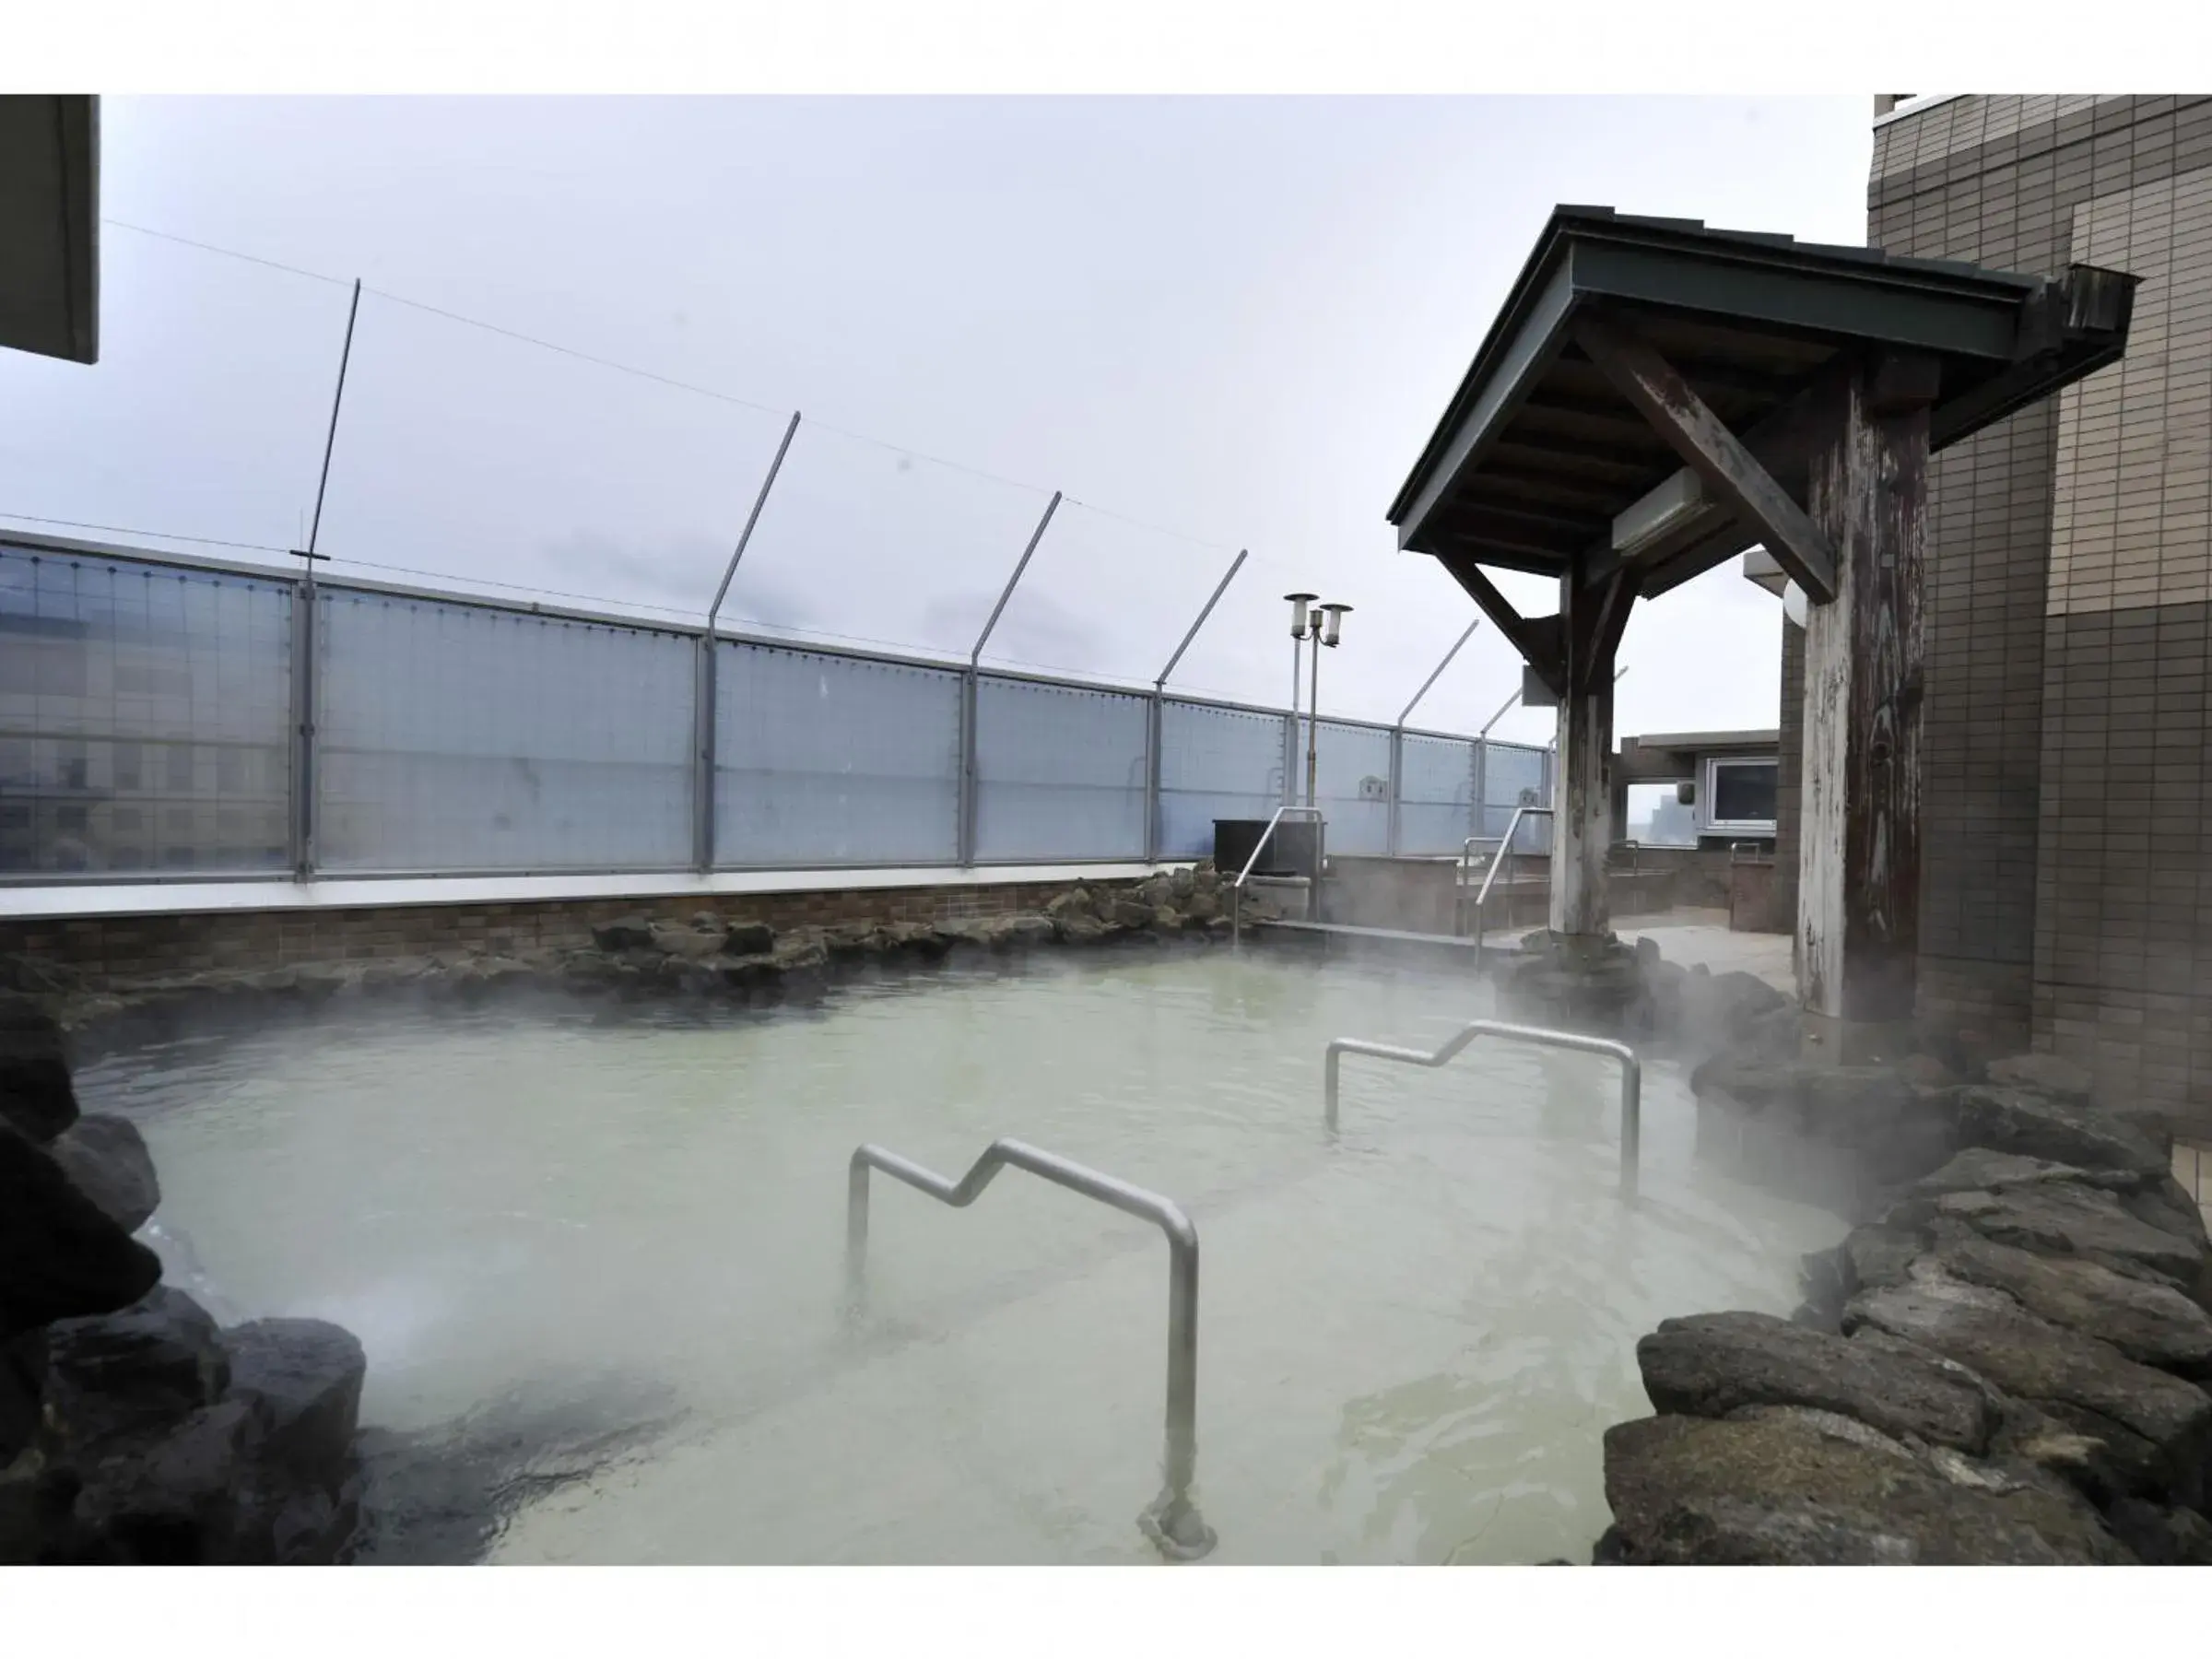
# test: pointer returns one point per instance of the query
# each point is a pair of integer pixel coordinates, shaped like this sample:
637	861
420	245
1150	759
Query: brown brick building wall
2066	898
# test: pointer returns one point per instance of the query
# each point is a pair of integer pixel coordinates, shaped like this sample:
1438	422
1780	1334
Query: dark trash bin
1293	849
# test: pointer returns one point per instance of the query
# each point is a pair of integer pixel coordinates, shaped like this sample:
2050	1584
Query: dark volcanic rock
2148	1322
1712	1364
2063	1219
1130	912
1726	1008
2155	1428
2043	1074
1877	1255
749	938
305	1376
173	1500
121	1374
37	1098
2162	1537
1811	1489
60	1256
1834	1133
2167	1205
22	1390
106	1157
1075	928
1076	901
2011	1119
632	933
1978	1169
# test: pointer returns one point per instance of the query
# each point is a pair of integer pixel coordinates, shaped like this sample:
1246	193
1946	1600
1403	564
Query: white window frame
1763	828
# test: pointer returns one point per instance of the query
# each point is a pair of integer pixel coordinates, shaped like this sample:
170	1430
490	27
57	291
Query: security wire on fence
166	716
445	576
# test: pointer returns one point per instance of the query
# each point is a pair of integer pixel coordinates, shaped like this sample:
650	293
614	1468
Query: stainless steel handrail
1490	877
1236	888
1172	1521
1466	865
1631	1075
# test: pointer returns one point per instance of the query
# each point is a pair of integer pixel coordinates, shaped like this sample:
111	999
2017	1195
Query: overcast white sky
1235	319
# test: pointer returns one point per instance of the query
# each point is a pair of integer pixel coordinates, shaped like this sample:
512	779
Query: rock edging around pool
132	1431
710	958
2005	1362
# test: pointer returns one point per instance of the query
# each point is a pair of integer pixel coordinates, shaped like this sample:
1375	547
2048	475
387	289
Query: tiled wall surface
2069	570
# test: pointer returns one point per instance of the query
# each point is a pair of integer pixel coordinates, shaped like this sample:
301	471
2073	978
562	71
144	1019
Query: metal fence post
1152	736
703	693
967	796
1478	808
968	686
305	785
1155	732
1397	788
703	770
303	781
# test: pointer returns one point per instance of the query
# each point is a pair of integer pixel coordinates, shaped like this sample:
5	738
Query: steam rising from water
596	1264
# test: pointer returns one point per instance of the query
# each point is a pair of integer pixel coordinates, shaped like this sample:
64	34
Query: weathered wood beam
1582	799
1598	616
1778	444
1539	647
1710	449
1858	926
1479	519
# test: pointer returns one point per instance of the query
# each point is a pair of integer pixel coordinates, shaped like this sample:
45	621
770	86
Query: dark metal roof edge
1568	224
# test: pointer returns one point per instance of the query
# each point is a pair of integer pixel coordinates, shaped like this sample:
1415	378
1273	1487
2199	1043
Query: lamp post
1326	633
1302	623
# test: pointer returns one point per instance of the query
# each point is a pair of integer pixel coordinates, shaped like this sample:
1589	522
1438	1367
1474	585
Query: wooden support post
1858	894
1581	798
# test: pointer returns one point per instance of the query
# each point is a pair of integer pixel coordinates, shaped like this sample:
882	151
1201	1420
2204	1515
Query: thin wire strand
204	541
586	356
1138	524
570	351
274	264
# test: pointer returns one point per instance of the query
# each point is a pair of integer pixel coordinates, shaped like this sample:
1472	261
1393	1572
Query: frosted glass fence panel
145	717
1435	794
1060	773
457	737
1511	775
833	760
1214	764
1352	787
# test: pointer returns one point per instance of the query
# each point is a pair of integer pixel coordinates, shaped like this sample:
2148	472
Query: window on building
127	763
1742	794
179	777
1659	818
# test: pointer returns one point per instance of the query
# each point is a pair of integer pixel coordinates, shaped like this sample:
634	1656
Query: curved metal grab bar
1466	865
1490	877
1172	1521
1631	1075
1236	888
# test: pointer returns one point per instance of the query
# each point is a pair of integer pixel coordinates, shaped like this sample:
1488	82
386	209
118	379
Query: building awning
50	226
1544	464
